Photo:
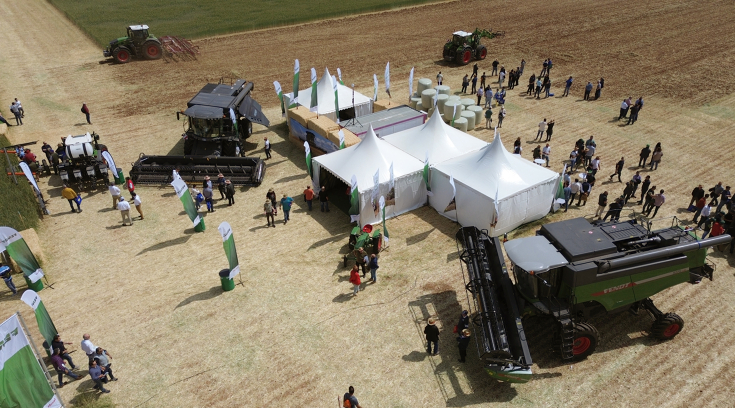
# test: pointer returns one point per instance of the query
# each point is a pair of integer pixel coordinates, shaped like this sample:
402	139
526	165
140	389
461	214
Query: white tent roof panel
325	96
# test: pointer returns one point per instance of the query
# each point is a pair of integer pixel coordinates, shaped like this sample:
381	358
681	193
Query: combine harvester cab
500	338
216	123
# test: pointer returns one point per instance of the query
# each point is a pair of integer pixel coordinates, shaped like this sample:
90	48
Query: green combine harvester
464	46
572	270
138	43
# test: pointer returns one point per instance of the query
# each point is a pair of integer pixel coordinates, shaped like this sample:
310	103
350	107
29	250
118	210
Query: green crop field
105	20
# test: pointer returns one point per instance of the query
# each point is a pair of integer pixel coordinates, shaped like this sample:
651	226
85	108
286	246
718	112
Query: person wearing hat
124	208
229	192
271	195
432	336
207	183
645	152
462	342
464	321
71	196
269	211
286	203
221	185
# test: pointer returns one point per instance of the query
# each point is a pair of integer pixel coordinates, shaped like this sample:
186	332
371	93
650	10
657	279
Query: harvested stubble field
292	335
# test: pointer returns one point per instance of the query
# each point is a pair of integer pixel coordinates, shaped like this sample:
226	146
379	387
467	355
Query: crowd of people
99	367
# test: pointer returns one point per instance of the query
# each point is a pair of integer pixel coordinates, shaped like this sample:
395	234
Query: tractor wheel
152	50
121	55
464	56
667	326
586	339
481	52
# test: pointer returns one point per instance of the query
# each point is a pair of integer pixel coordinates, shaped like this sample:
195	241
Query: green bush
18	206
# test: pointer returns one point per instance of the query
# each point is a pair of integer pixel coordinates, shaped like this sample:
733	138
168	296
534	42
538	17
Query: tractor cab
537	267
460	38
138	33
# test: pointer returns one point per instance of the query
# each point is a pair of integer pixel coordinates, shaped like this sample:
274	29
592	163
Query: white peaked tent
325	97
489	179
363	160
441	141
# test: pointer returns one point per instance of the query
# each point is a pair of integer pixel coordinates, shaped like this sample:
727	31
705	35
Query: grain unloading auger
572	270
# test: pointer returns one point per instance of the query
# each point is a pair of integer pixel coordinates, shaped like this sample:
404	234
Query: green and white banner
385	229
228	241
45	325
341	139
375	87
314	105
307	149
339	75
295	101
29	175
23	382
336	97
354	201
426	176
182	190
410	85
11	241
391	198
279	92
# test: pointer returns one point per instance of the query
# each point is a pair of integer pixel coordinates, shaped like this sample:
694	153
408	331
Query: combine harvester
570	271
216	123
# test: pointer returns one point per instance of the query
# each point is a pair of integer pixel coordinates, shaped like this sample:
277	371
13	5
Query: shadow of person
415	356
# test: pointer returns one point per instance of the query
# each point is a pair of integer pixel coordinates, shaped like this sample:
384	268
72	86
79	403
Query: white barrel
455	98
479	113
79	150
443	89
461	124
424	84
414	101
427	97
467	102
441	100
449	109
419	106
470	117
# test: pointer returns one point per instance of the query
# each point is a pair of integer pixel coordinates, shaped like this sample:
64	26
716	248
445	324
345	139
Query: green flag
228	242
313	106
560	189
354	201
309	169
375	87
339	75
23	382
336	97
341	139
454	113
182	190
295	100
426	175
11	241
279	91
45	325
385	229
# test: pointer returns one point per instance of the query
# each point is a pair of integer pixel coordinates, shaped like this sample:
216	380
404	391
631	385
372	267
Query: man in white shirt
88	347
541	130
124	208
480	94
576	189
439	78
596	165
115	193
20	108
545	153
705	213
623	110
137	201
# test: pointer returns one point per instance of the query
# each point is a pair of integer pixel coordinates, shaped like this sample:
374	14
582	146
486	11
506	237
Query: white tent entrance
325	100
493	181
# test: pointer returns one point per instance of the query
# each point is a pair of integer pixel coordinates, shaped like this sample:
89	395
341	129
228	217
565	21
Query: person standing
546	153
623	110
567	196
285	204
522	68
703	209
355	279
488	96
268	210
539	85
88	347
495	68
465	83
61	369
129	185
547	87
658	200
7	278
644	189
488	117
567	85
373	266
627	191
725	198
58	344
636	181
439	78
614	211
103	360
208	198
462	342
115	193
267	148
618	169
697	193
70	196
584	192
716	191
531	84
648	205
464	321
589	154
474	84
501	116
598	89
549	130
480	94
501	77
517	149
432	336
350	398
124	208
601	204
97	376
308	196
483	78
16	113
229	192
324	199
20	108
656	158
221	186
576	188
541	130
645	152
587	90
633	115
536	152
85	111
544	67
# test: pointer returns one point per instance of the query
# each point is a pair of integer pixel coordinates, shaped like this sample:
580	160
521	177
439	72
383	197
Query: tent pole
39	359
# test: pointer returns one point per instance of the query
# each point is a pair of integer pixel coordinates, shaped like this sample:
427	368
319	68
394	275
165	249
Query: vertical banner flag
376	190
182	190
391	198
279	92
454	113
29	175
307	149
11	241
341	139
22	379
385	229
296	69
375	88
436	97
387	79
233	118
314	105
410	85
452	204
336	97
45	325
495	203
111	165
354	201
560	190
339	75
426	175
228	242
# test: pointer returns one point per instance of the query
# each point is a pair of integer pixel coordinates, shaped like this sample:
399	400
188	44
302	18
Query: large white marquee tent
441	141
363	160
493	180
325	98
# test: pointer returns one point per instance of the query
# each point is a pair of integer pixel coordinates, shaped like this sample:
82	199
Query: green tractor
139	43
572	270
464	46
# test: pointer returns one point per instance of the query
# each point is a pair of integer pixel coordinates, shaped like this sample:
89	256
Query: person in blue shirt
286	203
567	86
5	273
